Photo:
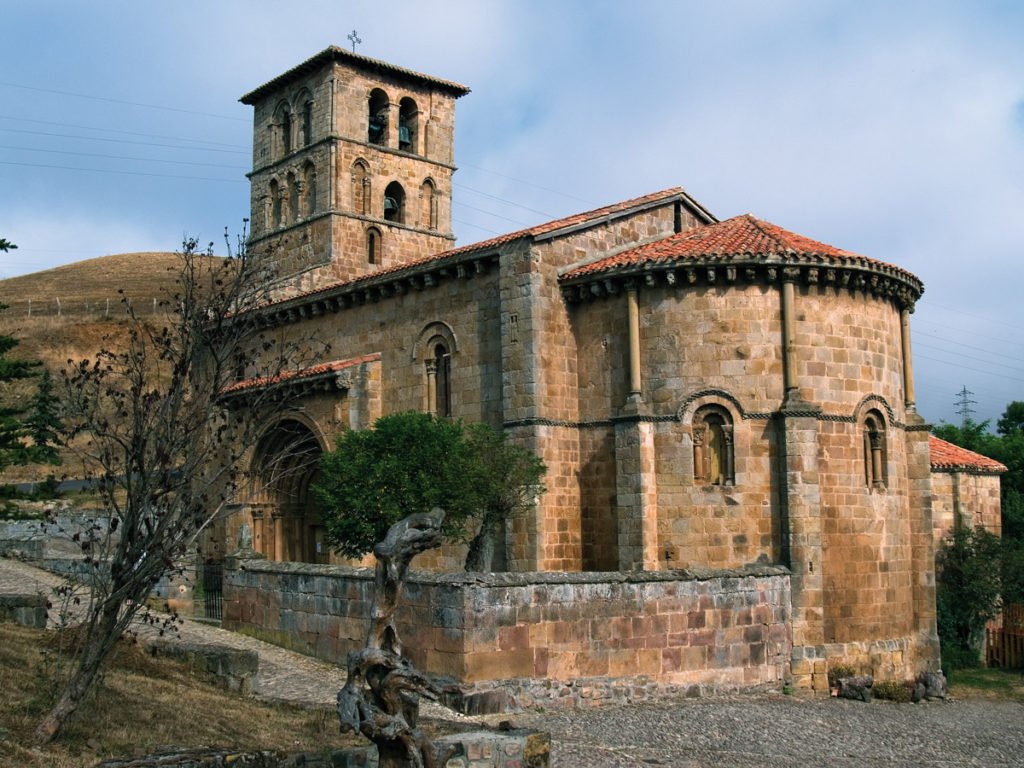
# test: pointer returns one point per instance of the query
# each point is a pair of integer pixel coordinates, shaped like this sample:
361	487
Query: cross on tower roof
354	38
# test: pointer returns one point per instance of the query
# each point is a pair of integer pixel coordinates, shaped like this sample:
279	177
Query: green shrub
968	586
836	672
892	690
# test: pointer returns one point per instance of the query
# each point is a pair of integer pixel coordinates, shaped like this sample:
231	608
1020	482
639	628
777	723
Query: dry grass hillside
73	311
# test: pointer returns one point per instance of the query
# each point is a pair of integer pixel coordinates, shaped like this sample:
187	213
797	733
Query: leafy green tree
972	435
509	480
1012	420
967	593
411	463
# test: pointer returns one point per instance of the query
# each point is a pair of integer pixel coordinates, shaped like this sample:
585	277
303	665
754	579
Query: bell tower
352	168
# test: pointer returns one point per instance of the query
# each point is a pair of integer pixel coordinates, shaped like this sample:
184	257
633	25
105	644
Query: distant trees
413	462
150	417
26	435
973	567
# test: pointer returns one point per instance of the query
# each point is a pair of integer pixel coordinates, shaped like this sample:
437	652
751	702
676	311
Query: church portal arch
286	522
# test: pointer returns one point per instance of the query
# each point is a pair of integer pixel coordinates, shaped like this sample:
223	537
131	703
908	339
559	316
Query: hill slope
85	286
69	311
88	317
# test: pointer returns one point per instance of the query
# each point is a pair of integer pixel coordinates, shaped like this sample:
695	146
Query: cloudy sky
893	129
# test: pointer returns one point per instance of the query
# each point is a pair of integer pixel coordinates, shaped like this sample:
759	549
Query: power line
123	141
122	101
126	133
504	200
122	157
975	347
971	357
968	368
120	173
529	184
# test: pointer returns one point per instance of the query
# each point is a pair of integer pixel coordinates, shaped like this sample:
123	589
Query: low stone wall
638	633
896	659
234	668
29	610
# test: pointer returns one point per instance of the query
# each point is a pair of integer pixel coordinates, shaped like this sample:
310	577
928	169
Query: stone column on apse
636	496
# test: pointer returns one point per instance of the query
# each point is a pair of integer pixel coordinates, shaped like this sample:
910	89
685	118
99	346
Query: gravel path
776	731
762	731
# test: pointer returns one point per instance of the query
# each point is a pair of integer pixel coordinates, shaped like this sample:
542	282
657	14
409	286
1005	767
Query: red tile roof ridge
742	235
482	245
298	375
948	456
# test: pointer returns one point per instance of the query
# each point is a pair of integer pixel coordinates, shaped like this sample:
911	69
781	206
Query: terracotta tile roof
740	236
334	53
303	374
547	228
946	456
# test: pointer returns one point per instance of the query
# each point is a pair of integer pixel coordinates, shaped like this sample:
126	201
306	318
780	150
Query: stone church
706	394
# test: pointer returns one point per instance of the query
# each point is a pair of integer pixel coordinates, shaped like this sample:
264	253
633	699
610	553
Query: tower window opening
307	123
394	203
373	245
407	124
378	117
428	203
286	133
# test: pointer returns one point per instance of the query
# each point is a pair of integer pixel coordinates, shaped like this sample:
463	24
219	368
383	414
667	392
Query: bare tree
151	417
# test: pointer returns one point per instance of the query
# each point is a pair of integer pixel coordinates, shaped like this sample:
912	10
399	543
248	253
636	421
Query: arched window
286	133
428	205
713	456
373	245
308	190
394	203
407	124
307	122
294	197
275	203
281	133
360	188
875	470
439	379
378	117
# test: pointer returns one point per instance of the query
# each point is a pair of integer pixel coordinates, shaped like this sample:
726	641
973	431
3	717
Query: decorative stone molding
874	278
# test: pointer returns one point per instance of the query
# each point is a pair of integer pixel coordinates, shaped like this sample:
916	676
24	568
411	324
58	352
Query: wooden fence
95	308
1004	639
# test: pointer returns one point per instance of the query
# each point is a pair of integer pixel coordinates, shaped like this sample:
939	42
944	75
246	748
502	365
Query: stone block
234	668
28	610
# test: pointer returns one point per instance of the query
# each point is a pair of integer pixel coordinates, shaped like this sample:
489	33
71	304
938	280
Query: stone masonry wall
720	629
974	498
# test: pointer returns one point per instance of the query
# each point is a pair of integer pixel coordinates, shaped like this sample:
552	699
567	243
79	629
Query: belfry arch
286	521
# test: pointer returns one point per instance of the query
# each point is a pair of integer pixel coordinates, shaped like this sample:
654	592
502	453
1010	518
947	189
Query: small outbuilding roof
952	458
301	376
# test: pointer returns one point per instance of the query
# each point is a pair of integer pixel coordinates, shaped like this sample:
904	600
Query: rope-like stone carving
380	698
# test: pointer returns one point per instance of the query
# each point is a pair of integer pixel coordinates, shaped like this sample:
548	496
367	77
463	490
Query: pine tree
13	447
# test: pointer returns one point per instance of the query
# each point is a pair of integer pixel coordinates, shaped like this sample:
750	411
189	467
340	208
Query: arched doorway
286	522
